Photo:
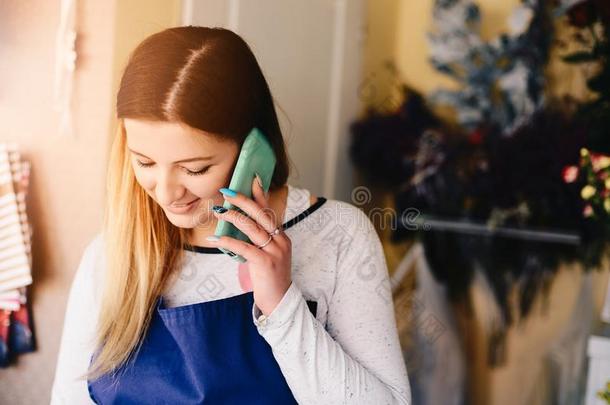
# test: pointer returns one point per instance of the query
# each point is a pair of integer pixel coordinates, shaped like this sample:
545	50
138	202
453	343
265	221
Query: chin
188	220
185	223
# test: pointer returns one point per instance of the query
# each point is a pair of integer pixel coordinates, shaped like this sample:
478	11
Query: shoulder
333	233
344	228
90	269
94	250
357	226
348	217
95	245
324	216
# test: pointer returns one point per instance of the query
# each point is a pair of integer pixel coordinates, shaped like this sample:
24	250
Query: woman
158	314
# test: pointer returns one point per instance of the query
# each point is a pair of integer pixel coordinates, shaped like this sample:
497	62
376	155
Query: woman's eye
143	164
197	173
189	172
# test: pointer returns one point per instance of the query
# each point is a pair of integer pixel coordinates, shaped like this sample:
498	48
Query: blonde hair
141	249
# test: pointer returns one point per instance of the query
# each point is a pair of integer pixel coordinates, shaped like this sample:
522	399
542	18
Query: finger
262	198
250	252
264	216
254	231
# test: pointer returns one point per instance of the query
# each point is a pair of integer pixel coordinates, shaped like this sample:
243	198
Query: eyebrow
194	159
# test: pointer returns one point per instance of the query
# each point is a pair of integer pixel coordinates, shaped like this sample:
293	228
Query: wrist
267	307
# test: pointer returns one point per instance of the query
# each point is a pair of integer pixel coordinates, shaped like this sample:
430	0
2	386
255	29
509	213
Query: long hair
209	79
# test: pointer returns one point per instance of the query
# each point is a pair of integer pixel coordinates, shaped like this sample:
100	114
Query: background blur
328	62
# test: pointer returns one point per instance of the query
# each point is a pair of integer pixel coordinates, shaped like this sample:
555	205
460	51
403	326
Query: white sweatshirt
349	353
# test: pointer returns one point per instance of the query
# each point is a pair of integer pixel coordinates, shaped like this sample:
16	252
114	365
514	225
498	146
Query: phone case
255	156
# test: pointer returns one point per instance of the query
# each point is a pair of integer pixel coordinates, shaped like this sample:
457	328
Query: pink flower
588	211
599	161
570	174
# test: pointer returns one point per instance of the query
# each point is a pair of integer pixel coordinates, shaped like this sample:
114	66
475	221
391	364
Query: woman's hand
270	265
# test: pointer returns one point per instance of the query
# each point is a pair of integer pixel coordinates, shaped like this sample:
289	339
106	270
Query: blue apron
204	353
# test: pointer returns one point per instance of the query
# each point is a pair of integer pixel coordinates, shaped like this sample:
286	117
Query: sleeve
357	359
76	345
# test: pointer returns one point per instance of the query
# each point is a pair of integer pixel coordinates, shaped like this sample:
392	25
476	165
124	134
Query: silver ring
266	243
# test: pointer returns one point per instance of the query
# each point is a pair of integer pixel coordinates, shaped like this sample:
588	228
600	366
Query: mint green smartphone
256	156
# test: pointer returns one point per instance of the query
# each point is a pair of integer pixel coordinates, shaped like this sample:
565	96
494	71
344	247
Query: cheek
206	186
145	180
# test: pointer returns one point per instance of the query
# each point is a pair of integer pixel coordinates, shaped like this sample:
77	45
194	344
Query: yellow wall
397	31
135	20
379	47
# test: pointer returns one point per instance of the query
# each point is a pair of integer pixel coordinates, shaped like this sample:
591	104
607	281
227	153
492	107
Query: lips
182	209
182	205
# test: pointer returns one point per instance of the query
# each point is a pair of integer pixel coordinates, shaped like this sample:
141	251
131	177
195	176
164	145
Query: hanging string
65	65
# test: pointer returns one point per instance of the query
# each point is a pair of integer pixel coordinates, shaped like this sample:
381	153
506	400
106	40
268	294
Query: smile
181	209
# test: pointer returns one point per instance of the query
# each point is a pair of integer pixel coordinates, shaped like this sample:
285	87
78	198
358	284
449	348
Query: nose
168	190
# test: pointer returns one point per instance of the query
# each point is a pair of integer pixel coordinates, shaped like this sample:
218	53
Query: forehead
169	140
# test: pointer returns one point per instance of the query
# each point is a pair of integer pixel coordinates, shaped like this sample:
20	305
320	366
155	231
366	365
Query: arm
359	359
79	327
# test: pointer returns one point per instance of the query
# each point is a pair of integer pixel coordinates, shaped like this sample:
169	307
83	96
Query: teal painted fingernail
228	191
258	180
219	209
213	238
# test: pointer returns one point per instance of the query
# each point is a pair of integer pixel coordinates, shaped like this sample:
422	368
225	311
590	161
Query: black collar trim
291	222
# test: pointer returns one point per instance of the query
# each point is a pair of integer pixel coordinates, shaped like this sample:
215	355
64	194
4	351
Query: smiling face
181	168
